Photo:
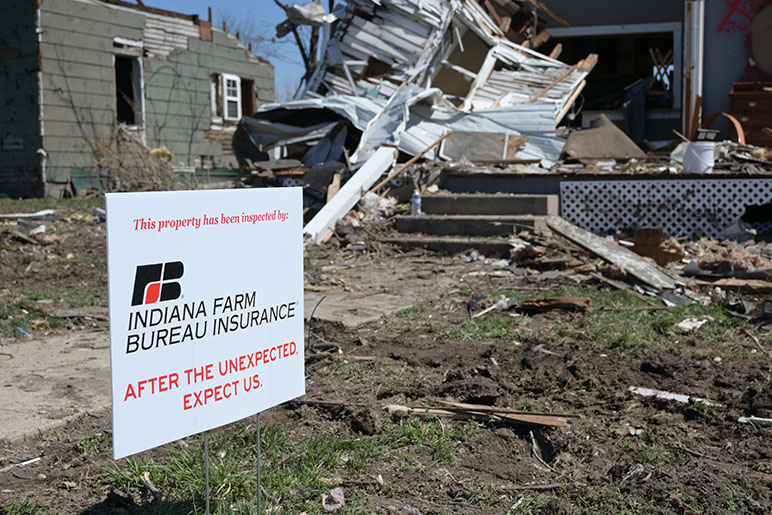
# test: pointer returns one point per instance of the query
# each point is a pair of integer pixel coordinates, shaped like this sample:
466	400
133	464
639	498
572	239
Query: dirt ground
619	453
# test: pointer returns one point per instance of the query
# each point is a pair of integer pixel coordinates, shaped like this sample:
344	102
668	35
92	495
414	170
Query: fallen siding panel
350	193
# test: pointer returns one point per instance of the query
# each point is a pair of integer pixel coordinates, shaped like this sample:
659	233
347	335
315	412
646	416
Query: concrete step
468	225
490	247
490	204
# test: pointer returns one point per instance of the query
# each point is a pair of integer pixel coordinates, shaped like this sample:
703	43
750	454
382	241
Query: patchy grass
26	506
67	297
417	312
296	469
433	436
31	205
486	327
68	271
622	320
94	444
18	321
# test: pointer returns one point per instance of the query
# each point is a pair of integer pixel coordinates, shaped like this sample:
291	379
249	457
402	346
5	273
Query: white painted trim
141	95
225	97
128	42
637	28
694	38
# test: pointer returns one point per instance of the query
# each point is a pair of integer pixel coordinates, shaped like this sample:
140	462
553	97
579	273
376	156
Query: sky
288	70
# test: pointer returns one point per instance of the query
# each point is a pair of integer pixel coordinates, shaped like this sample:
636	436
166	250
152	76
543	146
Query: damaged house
488	82
78	76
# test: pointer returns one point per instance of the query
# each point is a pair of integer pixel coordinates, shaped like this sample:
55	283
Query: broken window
248	100
128	90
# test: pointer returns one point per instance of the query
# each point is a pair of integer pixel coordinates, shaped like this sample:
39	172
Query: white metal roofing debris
407	71
377	45
418	117
408	58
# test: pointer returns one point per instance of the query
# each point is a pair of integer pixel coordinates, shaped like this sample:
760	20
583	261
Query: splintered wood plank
640	268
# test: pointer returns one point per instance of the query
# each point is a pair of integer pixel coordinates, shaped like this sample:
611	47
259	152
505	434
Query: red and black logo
157	282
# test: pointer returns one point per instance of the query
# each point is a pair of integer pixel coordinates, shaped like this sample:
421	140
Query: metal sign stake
206	468
258	463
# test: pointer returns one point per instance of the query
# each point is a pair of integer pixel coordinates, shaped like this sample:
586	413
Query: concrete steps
458	222
490	204
468	225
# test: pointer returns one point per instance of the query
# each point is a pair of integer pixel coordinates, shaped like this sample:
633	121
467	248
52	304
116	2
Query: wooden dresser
751	103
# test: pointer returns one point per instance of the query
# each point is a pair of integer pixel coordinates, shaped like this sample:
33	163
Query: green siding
178	97
78	87
20	172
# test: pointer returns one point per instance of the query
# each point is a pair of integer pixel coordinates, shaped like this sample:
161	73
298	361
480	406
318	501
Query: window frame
225	77
132	49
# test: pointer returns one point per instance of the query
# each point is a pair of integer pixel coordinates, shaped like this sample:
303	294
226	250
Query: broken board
643	270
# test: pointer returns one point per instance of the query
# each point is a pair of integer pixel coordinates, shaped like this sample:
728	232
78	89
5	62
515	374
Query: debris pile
468	68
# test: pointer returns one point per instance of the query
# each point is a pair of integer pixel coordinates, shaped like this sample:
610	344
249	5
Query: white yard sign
206	309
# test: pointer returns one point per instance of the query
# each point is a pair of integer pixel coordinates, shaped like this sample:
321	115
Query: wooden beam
492	11
412	160
695	123
556	51
350	193
571	100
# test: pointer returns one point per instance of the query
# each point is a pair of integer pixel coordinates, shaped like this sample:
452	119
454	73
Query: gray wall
19	169
725	62
79	102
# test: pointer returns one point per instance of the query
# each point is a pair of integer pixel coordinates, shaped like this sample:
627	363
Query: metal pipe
258	464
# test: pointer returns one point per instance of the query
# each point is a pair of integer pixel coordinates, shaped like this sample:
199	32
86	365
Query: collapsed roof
375	46
403	72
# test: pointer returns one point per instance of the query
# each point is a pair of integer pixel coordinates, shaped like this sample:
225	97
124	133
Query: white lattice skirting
688	208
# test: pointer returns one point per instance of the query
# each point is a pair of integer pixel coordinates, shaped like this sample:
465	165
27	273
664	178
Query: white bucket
698	157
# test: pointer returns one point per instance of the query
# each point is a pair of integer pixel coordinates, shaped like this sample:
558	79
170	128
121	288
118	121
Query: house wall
78	90
178	96
20	164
